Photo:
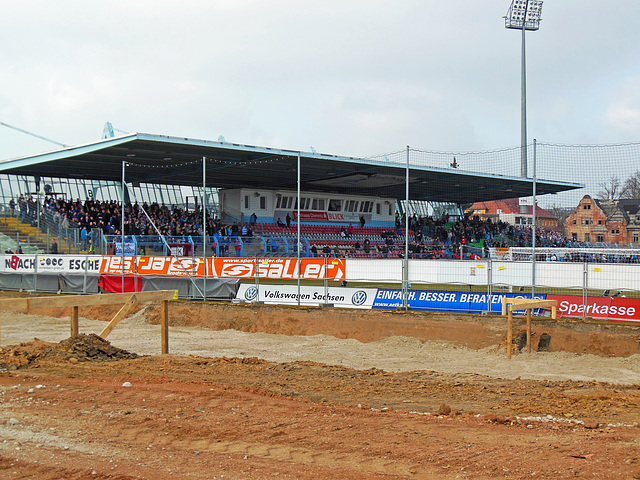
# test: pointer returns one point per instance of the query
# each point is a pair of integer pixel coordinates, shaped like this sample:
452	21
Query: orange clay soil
82	408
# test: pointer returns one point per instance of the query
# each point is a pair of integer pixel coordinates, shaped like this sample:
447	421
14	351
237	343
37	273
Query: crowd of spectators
441	237
145	219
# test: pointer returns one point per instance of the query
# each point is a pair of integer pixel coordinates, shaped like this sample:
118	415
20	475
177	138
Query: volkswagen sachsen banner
343	297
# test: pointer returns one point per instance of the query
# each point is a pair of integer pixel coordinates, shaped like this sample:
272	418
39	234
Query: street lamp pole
523	15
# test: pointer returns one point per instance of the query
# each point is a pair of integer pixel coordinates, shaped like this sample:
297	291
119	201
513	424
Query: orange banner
165	266
278	268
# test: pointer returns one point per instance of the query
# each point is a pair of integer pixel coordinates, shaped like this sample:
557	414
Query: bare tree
611	189
561	213
631	187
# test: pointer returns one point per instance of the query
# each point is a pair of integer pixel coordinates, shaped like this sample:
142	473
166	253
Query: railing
45	234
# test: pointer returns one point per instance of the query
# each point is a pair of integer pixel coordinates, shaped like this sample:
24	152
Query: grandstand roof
178	161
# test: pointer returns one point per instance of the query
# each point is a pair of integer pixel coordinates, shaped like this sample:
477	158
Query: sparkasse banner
625	309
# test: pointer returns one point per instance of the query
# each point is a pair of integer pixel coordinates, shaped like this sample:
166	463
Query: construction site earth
263	392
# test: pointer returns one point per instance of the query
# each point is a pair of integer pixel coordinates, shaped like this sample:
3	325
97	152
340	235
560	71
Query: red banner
308	216
614	308
113	284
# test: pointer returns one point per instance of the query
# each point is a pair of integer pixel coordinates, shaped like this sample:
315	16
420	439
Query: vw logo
251	294
359	298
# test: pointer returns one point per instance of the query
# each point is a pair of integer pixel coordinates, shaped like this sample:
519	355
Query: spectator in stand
83	237
366	246
350	230
22	205
288	220
12	206
279	222
54	247
362	221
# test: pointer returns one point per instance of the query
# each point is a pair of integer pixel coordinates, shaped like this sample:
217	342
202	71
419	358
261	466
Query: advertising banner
180	249
443	301
342	297
51	264
613	308
129	248
279	268
308	216
19	264
165	266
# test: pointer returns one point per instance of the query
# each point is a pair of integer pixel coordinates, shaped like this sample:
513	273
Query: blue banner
442	301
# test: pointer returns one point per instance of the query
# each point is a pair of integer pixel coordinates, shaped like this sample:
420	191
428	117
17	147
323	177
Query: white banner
343	297
51	264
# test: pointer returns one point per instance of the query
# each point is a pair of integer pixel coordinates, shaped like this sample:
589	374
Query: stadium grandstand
73	197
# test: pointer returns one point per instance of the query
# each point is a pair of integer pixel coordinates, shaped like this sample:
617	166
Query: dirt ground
262	392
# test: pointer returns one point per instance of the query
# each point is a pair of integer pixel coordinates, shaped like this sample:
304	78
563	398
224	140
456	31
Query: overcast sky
345	77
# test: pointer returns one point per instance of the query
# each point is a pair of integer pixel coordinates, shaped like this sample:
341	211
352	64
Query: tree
561	213
631	187
611	189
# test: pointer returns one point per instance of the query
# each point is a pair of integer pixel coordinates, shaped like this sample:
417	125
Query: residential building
604	221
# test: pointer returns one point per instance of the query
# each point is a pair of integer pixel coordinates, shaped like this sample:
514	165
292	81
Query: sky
350	77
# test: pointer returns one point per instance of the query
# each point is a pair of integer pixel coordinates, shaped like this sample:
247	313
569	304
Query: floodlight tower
523	15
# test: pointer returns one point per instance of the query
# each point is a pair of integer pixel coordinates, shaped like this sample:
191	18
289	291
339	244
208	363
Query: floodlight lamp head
523	14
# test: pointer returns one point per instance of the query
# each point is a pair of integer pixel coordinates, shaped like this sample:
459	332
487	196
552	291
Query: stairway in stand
28	235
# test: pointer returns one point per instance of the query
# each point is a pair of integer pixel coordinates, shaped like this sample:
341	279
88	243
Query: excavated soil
262	392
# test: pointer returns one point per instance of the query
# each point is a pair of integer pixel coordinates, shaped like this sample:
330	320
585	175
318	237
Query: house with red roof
514	211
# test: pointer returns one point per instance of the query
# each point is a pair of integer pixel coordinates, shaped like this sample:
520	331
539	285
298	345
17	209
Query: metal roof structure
158	159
